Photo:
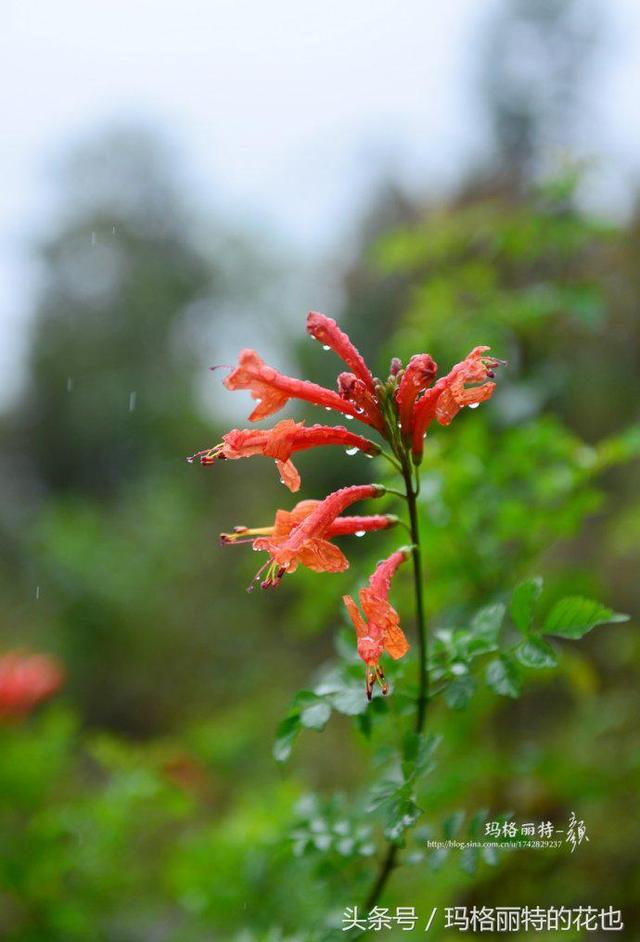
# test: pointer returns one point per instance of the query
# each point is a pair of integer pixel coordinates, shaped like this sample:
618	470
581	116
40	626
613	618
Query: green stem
423	676
411	493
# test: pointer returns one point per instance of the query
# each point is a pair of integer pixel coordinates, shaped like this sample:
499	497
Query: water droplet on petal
360	532
349	418
474	405
325	346
352	451
327	408
258	400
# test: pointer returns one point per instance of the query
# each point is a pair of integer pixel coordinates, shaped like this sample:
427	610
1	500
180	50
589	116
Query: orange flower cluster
400	410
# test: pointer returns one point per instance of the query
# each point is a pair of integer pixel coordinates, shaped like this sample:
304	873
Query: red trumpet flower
281	442
353	390
419	374
307	543
26	680
451	393
286	520
326	330
379	630
272	390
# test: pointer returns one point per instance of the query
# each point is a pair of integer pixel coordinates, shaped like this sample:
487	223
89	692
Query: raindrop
69	383
474	405
132	400
360	532
349	418
37	592
367	455
327	408
325	346
352	451
94	238
258	400
113	230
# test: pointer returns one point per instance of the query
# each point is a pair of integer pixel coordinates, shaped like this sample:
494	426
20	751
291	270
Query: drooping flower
417	376
26	680
306	543
281	442
326	330
272	390
378	629
444	400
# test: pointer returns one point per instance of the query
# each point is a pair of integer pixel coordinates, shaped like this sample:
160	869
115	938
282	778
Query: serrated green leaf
523	603
417	753
490	855
536	653
469	860
286	734
476	824
437	858
315	715
452	824
574	616
503	677
486	623
350	700
459	692
402	813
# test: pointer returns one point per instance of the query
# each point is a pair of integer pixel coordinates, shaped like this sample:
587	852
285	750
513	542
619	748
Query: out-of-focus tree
107	392
537	56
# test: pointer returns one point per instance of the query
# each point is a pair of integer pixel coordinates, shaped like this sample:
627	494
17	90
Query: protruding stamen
244	535
208	455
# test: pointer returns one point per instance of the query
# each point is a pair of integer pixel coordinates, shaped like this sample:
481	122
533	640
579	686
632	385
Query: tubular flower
444	400
379	630
281	442
326	330
286	520
26	680
419	374
307	543
272	390
353	390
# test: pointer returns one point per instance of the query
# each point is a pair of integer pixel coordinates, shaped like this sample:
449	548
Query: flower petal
359	623
289	475
322	556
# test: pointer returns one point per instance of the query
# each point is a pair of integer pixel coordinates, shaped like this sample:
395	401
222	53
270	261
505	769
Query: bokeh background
183	180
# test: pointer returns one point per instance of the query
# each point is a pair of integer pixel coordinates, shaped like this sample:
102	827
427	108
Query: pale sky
277	107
